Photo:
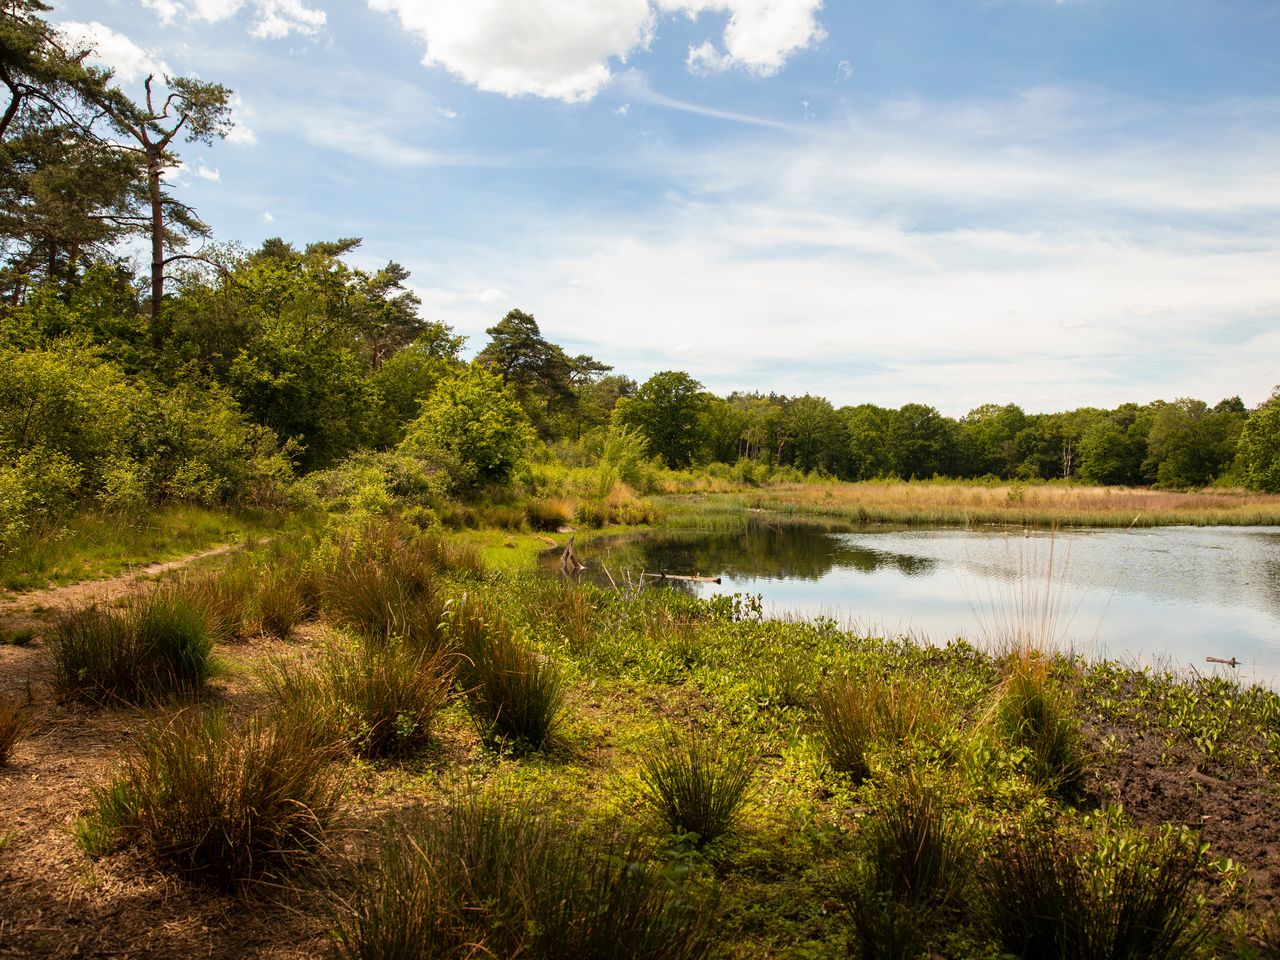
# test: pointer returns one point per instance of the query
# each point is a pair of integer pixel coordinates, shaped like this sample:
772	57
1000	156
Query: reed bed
955	503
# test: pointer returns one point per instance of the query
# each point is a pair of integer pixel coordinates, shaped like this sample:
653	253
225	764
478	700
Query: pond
1168	596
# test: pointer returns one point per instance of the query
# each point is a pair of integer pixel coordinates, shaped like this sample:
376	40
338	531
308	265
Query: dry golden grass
1041	505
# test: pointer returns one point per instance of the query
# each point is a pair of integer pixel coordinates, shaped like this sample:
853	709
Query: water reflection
1172	594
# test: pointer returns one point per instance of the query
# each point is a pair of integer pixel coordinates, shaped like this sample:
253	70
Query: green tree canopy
1260	446
473	426
668	410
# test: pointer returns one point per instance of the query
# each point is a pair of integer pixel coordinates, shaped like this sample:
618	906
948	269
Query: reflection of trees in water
759	550
1269	588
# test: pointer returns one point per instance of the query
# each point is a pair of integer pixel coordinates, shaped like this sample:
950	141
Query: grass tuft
374	701
853	713
219	804
157	646
1036	716
1123	895
486	880
695	784
15	723
914	873
514	695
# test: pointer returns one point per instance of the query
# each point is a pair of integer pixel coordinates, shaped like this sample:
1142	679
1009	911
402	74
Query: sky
951	202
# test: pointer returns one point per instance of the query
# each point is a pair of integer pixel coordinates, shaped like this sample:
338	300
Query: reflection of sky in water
1171	595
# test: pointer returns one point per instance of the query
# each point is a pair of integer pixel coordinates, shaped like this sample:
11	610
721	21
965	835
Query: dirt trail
18	611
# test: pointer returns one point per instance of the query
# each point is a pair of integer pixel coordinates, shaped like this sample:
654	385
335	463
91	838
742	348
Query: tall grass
914	873
1024	504
1115	897
1036	715
514	694
386	581
487	880
695	784
219	804
158	645
372	700
853	713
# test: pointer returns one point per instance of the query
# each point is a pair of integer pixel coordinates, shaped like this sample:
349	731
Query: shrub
913	874
696	784
375	701
514	695
14	725
157	646
1118	895
219	804
1035	715
485	880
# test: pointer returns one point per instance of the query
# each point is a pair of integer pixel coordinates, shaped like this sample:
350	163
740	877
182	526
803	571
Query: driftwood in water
692	578
569	562
1233	662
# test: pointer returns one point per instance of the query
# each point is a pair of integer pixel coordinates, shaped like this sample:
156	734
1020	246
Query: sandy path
18	611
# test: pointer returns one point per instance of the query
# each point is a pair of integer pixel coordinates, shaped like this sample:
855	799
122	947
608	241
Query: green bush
157	646
485	880
695	784
1117	895
375	701
514	695
219	804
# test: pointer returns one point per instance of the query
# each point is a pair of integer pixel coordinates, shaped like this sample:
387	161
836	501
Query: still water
1169	596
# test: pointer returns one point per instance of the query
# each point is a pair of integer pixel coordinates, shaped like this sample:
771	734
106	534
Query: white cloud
490	295
761	34
623	109
271	19
844	70
114	50
267	217
705	58
279	18
207	173
447	113
166	10
563	49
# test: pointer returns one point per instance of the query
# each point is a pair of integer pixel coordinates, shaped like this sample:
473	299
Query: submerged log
1233	662
691	578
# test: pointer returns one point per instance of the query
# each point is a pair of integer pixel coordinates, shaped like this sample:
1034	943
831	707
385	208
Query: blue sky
950	202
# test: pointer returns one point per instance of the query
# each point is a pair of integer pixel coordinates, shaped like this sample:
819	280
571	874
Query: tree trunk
155	166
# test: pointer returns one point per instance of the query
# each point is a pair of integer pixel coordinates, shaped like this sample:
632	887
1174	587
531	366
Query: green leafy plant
695	784
853	713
